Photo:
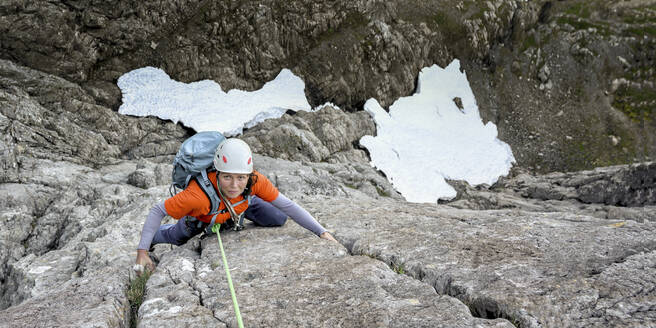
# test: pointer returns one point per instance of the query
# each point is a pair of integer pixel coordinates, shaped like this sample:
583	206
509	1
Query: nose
233	183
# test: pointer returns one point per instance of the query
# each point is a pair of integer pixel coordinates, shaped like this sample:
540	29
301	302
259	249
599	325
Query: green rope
216	229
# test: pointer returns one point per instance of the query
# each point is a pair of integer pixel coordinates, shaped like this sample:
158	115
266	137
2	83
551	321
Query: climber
236	180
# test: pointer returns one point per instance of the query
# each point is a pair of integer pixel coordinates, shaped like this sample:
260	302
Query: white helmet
233	156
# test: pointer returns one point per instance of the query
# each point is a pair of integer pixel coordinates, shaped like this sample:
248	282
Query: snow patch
204	106
433	135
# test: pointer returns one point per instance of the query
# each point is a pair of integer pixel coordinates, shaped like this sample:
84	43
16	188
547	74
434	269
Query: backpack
194	160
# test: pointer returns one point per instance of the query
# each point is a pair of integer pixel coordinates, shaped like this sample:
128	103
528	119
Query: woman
235	179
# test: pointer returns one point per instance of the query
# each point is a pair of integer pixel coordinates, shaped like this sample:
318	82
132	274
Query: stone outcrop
44	116
536	269
615	192
68	233
633	185
329	135
569	84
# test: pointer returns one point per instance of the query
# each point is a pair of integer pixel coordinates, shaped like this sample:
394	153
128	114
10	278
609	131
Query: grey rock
348	52
558	250
623	185
639	214
536	269
45	116
461	260
312	283
603	193
353	180
543	74
142	178
311	136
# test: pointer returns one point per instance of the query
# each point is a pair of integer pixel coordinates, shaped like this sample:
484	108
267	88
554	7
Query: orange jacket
193	202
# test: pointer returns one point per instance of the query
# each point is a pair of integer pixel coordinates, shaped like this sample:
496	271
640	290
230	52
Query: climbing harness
238	219
216	228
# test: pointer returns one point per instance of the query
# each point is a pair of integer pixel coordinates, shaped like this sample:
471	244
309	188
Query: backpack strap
209	190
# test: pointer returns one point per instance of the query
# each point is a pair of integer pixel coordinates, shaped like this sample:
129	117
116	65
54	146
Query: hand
144	259
326	235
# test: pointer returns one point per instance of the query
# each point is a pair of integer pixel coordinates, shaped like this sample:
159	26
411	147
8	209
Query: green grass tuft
135	294
398	268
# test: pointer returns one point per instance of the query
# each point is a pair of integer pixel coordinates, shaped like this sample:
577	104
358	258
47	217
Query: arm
301	216
153	221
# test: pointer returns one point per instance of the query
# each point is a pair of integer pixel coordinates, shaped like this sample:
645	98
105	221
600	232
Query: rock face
575	249
569	84
327	135
616	192
398	264
633	185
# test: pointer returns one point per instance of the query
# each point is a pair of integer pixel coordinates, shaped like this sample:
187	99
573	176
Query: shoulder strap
208	188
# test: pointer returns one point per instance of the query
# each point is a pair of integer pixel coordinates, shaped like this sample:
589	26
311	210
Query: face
232	184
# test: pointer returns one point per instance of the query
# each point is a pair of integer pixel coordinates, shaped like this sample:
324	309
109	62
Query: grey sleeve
153	221
298	214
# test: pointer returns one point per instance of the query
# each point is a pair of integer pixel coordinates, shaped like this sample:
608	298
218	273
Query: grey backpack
194	160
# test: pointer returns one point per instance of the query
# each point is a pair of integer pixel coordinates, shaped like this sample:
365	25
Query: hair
252	180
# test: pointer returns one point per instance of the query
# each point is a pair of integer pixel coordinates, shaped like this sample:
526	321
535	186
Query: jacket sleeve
298	214
153	221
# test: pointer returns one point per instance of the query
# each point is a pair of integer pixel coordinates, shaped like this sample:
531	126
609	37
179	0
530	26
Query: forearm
153	221
298	214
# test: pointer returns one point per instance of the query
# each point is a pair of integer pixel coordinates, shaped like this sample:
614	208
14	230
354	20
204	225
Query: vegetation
353	23
529	42
382	192
135	294
580	9
398	268
594	148
582	24
352	186
641	31
637	104
453	30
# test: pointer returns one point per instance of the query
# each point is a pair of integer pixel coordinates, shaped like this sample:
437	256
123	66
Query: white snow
203	105
424	138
